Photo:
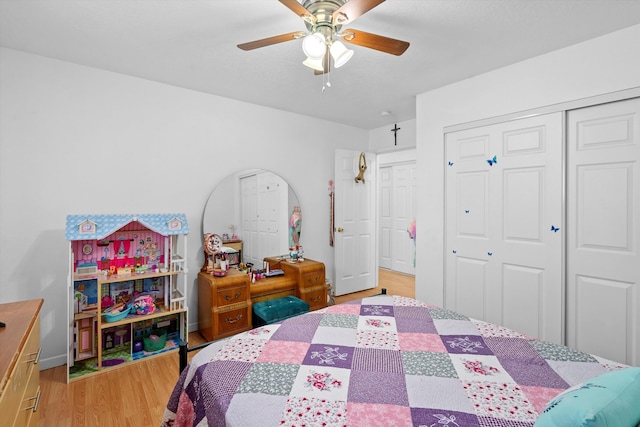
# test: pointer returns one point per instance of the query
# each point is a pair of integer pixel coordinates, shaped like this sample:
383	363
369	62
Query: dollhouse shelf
116	259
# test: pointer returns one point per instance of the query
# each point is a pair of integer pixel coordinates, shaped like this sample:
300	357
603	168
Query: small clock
212	243
87	249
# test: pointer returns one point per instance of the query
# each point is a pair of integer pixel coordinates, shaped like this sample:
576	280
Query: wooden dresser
19	355
224	303
310	278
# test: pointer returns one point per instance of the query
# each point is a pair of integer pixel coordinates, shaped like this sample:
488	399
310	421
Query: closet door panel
503	194
603	258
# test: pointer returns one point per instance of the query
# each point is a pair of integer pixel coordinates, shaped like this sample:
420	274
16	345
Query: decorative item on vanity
295	225
212	245
362	167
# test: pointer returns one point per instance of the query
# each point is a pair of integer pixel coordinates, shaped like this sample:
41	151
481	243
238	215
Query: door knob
340	229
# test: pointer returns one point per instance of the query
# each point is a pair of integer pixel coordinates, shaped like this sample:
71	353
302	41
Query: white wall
599	66
79	140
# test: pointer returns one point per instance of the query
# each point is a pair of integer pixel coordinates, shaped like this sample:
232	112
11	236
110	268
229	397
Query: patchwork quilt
380	361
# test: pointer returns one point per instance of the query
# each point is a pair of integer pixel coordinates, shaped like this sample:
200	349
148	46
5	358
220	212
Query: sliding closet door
603	243
503	224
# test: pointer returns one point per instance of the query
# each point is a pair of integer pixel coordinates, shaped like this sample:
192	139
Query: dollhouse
127	289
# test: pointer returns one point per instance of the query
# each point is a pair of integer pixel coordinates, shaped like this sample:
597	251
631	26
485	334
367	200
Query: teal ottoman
275	310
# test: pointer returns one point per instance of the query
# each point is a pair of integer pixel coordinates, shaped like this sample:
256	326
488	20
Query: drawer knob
236	296
231	321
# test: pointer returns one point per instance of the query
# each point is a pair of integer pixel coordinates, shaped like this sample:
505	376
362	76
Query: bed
384	361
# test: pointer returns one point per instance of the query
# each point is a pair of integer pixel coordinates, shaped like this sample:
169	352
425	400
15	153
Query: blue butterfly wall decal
454	251
490	253
466	211
554	229
493	161
450	163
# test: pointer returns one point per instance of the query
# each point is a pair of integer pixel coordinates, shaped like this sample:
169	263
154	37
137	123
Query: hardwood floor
136	395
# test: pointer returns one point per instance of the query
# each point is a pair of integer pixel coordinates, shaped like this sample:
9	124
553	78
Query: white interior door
503	224
396	209
603	243
249	218
273	236
355	242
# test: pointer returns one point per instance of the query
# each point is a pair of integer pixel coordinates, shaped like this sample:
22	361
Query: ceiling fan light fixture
314	45
341	55
315	64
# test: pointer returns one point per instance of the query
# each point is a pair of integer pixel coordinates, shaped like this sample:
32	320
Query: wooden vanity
224	303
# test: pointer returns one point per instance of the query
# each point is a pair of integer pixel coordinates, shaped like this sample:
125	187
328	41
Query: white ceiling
192	44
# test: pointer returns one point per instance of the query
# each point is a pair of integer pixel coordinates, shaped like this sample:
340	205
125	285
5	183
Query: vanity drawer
228	296
316	297
232	320
314	278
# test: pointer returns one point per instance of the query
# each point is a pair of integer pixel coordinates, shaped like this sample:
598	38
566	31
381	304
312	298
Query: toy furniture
19	356
127	288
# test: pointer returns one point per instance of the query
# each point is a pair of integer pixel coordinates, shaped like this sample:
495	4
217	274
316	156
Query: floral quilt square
552	351
410	341
540	396
465	344
269	378
368	415
302	411
376	323
263	332
500	400
245	349
321	382
441	313
490	330
378	387
329	355
377	339
340	320
429	364
474	367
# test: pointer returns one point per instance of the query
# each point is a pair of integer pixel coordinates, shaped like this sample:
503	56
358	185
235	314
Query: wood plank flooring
137	394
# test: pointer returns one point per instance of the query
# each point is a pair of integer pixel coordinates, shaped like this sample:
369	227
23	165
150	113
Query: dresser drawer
228	296
22	391
232	320
316	297
313	278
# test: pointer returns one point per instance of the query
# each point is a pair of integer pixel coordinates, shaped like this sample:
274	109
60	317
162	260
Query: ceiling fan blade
271	40
352	9
299	10
374	41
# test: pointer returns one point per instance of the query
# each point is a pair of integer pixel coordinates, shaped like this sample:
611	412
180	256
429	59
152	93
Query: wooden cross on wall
395	133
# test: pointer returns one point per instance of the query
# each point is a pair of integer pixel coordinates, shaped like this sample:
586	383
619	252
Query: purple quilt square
511	347
336	356
439	417
216	389
424	326
406	312
532	372
465	344
378	387
377	360
376	310
299	328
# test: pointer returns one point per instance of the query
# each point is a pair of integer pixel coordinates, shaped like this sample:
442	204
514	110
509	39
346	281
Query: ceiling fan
324	20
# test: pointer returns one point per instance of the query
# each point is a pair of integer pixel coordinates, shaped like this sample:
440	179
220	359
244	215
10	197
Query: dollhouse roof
100	226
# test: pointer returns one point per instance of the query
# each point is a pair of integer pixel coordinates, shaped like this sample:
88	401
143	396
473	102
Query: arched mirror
256	212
